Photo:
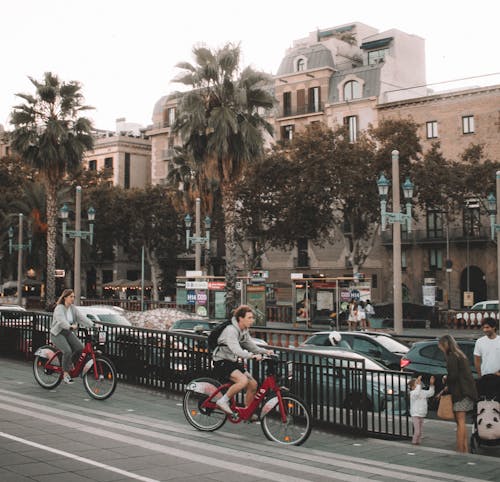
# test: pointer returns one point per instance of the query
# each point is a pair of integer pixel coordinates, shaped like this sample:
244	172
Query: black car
426	359
380	347
193	325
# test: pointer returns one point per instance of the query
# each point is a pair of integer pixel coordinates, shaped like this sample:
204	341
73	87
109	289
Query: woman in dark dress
461	386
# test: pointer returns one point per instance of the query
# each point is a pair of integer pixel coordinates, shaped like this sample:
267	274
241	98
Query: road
138	434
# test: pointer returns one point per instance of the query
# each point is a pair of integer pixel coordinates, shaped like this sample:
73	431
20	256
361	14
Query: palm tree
220	121
50	136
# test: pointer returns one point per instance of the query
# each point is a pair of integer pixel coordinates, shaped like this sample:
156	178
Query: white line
77	458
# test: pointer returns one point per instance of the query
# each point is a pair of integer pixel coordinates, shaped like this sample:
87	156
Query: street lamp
78	234
19	247
494	210
197	239
396	218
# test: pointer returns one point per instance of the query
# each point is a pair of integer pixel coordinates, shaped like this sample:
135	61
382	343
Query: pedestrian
487	359
460	384
418	406
369	312
66	318
353	315
362	316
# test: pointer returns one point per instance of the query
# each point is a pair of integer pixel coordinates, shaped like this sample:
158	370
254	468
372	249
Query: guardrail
341	392
468	319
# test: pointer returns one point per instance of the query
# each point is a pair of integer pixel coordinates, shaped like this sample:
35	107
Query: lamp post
197	239
19	247
494	210
77	235
396	218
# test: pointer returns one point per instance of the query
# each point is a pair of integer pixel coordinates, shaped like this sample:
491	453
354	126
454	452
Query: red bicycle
285	418
98	372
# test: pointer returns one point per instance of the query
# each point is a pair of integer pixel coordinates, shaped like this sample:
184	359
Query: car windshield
190	324
114	319
391	344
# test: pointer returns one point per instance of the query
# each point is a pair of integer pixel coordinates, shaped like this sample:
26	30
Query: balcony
303	110
422	237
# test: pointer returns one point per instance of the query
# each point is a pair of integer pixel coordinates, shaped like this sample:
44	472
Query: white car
103	314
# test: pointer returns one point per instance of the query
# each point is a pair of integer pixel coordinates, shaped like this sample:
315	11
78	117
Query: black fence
342	392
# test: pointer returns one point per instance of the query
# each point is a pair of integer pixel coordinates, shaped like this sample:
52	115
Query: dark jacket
460	382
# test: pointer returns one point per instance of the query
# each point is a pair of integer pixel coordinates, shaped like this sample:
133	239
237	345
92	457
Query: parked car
426	359
104	314
490	305
380	347
337	379
193	325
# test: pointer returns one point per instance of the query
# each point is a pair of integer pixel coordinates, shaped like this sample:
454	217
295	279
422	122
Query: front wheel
45	377
297	427
104	385
202	418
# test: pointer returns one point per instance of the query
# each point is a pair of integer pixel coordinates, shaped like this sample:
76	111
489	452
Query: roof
317	56
369	74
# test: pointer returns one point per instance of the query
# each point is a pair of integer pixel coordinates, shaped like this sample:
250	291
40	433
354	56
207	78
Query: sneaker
67	379
253	418
224	406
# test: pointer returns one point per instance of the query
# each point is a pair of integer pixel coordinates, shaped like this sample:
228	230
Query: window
434	224
107	276
171	116
302	252
108	163
431	129
301	65
314	99
301	101
471	221
468	124
352	90
374	281
287	132
376	56
126	174
287	103
404	264
351	122
435	259
93	165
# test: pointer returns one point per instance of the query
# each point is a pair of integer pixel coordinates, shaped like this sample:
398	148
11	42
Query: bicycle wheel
104	385
206	420
296	429
47	378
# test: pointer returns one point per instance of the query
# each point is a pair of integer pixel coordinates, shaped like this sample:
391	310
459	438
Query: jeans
69	344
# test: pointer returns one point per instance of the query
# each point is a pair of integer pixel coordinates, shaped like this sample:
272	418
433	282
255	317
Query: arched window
352	90
301	65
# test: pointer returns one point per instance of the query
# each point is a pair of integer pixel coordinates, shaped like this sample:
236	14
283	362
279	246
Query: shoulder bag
445	409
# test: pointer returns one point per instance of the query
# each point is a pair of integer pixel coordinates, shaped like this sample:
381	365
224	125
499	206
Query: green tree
221	127
51	135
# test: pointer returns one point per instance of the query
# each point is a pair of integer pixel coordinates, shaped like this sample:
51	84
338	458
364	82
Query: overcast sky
124	52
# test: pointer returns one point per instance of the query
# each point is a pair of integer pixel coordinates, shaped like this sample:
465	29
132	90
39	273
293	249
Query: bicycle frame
244	413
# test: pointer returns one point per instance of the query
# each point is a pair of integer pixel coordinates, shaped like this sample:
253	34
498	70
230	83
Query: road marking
321	457
77	458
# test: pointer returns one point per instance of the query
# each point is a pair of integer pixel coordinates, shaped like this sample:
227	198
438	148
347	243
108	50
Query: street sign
468	298
197	285
193	274
296	275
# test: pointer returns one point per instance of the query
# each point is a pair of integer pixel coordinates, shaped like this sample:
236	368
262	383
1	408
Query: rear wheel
47	378
296	429
104	385
201	418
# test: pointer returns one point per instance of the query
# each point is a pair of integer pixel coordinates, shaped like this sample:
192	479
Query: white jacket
418	400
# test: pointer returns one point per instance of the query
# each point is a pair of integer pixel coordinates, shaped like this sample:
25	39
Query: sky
124	52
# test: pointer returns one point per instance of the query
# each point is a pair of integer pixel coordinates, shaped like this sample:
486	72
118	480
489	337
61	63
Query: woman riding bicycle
66	318
233	343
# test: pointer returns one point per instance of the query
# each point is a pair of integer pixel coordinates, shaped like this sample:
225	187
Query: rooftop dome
317	56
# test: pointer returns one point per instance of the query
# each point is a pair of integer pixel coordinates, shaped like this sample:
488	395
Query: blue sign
355	295
191	297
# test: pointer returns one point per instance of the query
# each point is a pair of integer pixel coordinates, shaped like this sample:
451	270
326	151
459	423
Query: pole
197	235
498	244
142	278
448	273
398	298
20	260
78	244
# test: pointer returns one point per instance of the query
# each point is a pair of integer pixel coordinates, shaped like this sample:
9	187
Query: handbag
445	409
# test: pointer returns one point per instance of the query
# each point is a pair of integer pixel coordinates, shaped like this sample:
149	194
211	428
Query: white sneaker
224	406
67	379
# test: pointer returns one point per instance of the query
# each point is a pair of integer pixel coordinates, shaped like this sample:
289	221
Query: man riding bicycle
233	343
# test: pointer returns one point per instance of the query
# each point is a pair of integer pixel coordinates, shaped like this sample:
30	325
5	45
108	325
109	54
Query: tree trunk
50	288
228	205
155	270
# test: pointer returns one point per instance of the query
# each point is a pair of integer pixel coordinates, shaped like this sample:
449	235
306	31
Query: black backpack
213	336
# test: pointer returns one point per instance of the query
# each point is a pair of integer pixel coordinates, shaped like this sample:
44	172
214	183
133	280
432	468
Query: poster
429	295
220	304
324	300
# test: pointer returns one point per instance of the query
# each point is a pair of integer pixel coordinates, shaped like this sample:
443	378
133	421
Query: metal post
197	234
398	298
498	244
20	260
142	278
448	273
78	244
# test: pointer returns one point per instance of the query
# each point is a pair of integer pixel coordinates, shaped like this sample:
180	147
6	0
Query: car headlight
389	391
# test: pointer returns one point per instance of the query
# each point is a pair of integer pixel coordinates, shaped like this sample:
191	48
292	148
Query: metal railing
341	391
423	236
303	109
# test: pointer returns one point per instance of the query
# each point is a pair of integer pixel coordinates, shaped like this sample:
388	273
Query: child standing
418	405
